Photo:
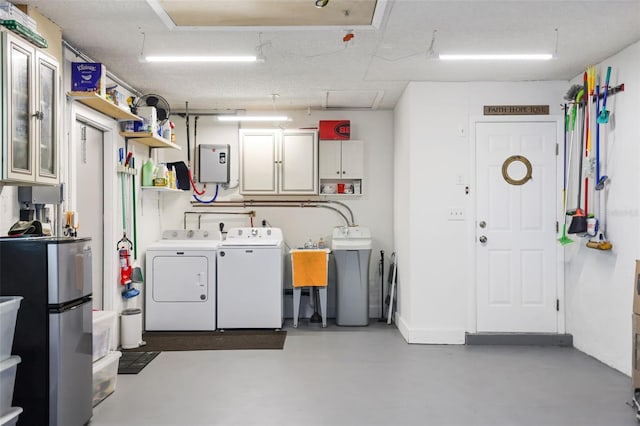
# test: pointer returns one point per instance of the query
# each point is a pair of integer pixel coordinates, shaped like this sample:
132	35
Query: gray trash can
351	248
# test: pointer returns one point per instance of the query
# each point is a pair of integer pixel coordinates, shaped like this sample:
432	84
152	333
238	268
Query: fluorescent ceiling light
496	57
201	59
253	118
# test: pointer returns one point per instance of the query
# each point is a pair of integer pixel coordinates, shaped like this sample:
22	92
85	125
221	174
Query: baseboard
520	339
430	336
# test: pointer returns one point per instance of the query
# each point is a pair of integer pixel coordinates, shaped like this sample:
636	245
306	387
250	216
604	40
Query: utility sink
351	238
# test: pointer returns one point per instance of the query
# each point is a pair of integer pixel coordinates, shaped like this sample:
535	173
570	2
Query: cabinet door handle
344	172
338	172
38	115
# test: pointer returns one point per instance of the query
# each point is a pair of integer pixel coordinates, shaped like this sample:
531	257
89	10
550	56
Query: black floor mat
162	341
134	362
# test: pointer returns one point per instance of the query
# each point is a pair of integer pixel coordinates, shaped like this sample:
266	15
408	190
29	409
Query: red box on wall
335	129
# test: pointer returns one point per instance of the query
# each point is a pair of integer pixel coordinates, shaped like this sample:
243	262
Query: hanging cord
186	116
211	200
195	144
193	185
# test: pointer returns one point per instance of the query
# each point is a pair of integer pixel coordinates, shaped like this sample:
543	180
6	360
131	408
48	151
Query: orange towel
309	268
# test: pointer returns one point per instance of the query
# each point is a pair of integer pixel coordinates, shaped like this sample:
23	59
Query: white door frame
472	294
109	127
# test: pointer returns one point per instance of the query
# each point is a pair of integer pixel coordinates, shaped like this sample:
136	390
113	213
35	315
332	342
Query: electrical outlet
456	213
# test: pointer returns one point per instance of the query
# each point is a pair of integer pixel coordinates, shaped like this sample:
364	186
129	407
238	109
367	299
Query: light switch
456	213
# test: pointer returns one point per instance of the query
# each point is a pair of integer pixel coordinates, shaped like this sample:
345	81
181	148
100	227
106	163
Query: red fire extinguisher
125	267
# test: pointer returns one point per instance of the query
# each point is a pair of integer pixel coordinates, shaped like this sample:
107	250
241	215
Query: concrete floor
370	376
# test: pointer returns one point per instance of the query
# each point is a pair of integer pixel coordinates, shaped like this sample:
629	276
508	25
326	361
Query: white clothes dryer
250	275
181	281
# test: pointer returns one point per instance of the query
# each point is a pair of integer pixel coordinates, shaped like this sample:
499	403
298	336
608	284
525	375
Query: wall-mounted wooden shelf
100	104
150	140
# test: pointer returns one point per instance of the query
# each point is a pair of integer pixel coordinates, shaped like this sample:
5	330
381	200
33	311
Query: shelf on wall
100	104
161	189
330	187
150	140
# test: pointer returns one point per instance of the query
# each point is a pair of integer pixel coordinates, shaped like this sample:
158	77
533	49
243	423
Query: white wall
599	284
436	263
374	209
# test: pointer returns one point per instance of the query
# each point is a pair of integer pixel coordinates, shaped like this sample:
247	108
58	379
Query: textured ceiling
310	66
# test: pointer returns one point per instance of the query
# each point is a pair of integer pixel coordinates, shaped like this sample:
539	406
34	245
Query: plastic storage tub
7	380
104	325
105	373
9	306
11	417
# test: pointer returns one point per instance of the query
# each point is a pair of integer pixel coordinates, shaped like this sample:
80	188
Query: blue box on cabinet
88	77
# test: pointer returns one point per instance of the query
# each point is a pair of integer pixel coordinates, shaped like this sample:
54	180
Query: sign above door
516	110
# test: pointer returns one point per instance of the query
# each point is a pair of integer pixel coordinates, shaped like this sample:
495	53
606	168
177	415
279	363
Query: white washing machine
250	275
181	281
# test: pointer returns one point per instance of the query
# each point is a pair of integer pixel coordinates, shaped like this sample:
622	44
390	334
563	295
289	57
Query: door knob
483	239
482	224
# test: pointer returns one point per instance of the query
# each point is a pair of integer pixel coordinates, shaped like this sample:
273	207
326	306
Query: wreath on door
505	170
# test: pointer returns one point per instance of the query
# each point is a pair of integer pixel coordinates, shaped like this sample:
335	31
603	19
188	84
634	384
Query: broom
579	219
569	126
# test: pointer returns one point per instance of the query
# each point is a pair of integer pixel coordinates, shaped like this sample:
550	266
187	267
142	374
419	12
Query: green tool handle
606	88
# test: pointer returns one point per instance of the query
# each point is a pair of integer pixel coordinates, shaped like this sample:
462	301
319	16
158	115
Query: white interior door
516	263
90	196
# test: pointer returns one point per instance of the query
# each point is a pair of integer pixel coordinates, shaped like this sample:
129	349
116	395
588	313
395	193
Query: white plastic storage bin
7	380
105	374
11	418
104	326
9	306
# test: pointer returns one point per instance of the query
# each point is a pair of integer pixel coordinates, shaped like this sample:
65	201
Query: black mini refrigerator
53	334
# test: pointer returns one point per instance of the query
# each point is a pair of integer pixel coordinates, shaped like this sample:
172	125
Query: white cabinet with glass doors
29	113
275	161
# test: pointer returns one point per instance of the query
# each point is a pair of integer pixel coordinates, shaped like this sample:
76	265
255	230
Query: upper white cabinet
341	159
275	161
341	166
29	116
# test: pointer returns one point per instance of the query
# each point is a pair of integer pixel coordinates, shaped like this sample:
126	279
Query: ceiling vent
186	14
352	99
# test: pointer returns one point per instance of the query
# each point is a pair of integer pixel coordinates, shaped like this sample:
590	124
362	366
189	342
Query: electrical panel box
213	163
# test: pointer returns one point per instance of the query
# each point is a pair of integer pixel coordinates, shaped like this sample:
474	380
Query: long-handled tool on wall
393	278
578	223
600	242
381	274
570	121
124	246
603	118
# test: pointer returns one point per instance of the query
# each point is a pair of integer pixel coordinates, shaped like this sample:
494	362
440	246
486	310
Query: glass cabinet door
19	90
46	113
